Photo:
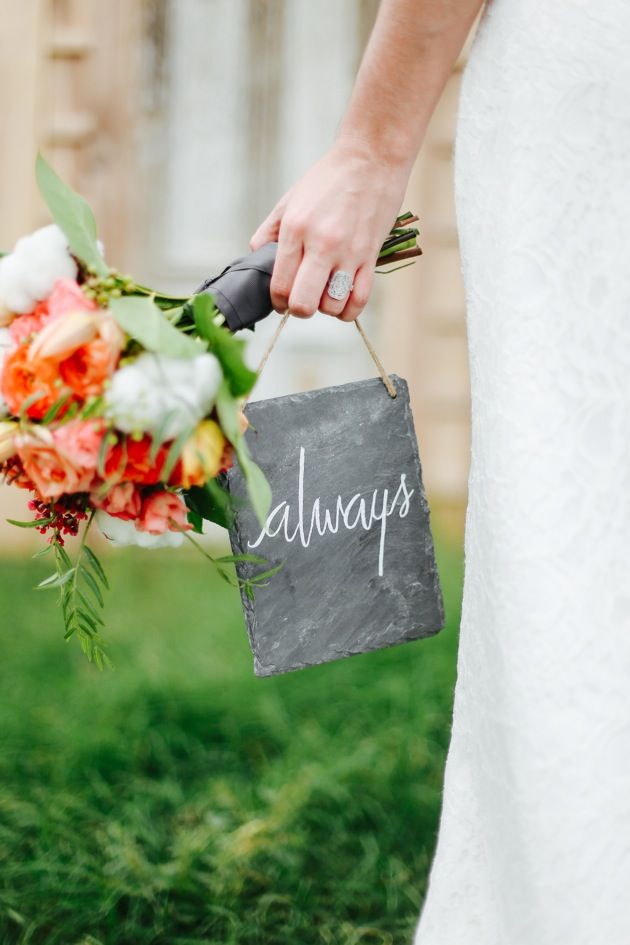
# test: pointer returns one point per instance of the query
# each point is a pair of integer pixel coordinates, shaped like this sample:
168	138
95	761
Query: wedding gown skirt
534	841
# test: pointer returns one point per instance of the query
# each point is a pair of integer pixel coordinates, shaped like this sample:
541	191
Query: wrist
377	152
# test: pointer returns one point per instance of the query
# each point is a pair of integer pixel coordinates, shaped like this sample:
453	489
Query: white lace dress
534	842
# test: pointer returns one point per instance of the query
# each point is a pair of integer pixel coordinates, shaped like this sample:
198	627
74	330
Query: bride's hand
335	217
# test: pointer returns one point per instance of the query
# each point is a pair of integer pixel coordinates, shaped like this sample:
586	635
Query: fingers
308	286
301	273
358	299
288	259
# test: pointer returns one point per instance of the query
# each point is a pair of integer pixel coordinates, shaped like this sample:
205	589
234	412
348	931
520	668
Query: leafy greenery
179	800
247	584
258	489
211	502
229	351
81	587
142	320
72	214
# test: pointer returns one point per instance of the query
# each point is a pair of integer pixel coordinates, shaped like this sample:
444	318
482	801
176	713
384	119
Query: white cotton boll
48	260
132	400
249	355
193	383
160	395
14	293
123	533
28	274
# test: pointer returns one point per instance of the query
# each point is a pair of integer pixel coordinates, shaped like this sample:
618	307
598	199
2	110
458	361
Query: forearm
410	55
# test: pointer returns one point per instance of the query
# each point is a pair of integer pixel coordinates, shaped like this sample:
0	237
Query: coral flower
122	501
63	460
161	512
22	379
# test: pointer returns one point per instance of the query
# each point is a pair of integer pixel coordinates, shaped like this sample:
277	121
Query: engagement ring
340	285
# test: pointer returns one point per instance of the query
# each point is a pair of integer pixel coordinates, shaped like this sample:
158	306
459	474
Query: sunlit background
178	799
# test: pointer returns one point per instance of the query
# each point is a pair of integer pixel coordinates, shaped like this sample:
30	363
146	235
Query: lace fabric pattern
534	840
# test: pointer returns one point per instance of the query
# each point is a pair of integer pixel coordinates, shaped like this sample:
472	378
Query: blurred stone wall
182	122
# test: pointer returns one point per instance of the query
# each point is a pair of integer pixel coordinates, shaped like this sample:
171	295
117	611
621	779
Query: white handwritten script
345	513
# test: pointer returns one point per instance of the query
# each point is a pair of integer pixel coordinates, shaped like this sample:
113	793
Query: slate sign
349	519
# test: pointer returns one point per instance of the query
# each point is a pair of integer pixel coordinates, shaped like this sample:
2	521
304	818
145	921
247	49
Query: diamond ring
340	285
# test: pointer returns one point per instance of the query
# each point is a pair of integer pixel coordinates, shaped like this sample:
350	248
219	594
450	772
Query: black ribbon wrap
241	292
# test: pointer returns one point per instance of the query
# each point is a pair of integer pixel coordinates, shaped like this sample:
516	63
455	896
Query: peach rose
162	512
8	431
122	501
63	335
67	296
24	326
22	378
62	460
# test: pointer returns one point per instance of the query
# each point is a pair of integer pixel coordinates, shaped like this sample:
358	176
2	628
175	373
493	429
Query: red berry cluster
60	518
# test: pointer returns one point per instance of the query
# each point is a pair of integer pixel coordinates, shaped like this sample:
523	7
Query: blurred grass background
180	800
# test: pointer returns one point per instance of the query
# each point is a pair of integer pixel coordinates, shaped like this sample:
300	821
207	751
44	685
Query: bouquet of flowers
120	406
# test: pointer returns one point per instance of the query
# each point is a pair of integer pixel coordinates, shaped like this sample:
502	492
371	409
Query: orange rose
64	460
86	369
22	378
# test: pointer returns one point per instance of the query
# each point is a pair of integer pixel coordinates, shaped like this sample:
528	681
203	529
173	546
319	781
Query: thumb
267	232
269	229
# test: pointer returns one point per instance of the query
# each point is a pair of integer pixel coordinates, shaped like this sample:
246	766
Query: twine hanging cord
391	390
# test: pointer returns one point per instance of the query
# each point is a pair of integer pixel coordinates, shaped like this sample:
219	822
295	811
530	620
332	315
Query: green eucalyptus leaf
228	350
228	412
142	320
72	214
258	489
196	520
212	503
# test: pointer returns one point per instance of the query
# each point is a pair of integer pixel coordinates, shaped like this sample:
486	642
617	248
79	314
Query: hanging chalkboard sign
349	520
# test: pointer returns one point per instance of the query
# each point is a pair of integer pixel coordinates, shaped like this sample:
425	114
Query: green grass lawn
180	800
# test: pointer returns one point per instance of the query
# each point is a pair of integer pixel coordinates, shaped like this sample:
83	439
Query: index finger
288	259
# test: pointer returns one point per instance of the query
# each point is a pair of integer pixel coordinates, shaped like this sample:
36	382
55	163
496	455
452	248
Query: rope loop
391	390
